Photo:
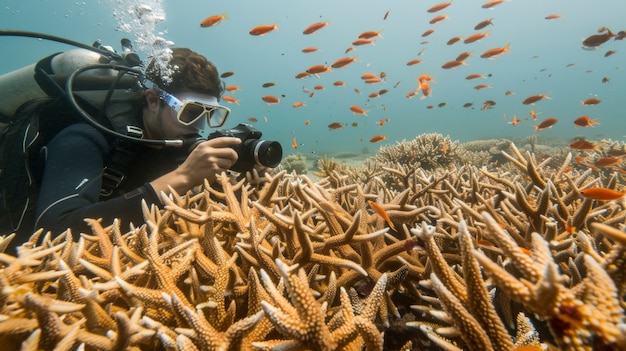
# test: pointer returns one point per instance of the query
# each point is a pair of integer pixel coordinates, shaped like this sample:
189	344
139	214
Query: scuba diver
88	170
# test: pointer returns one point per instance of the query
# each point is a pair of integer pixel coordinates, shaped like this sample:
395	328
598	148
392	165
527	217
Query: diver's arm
70	188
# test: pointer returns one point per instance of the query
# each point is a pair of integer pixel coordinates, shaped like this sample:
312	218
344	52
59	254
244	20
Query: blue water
540	53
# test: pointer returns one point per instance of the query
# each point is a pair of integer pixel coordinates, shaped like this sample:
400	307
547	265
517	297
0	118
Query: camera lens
268	153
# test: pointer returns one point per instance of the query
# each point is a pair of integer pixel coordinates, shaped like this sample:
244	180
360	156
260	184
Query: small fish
439	7
213	20
509	92
475	37
598	39
515	120
294	144
533	114
230	99
319	87
534	98
483	24
313	28
339	83
452	64
444	147
413	62
585	121
492	3
263	29
270	99
474	76
382	213
591	101
358	110
298	104
252	119
318	69
604	162
438	19
268	84
309	49
378	138
232	88
343	62
307	122
468	104
553	16
370	34
386	14
482	86
546	123
454	40
606	79
464	55
496	51
428	32
335	125
362	41
227	74
583	144
602	194
303	75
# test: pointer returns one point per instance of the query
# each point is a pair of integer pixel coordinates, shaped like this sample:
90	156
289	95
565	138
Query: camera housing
252	150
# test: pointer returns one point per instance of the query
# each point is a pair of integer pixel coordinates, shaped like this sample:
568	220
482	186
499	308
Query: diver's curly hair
190	72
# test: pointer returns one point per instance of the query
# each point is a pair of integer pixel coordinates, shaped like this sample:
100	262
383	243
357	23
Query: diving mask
193	107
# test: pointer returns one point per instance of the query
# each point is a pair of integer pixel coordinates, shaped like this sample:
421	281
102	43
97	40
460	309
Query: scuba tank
24	85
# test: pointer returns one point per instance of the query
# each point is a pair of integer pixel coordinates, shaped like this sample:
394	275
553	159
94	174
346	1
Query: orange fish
482	86
425	88
309	49
343	62
317	69
428	32
483	24
339	83
444	147
515	120
492	3
370	34
475	37
546	123
534	98
533	114
227	74
252	119
585	145
230	99
413	62
335	125
591	101
452	64
378	138
365	76
602	194
453	40
314	27
439	7
474	76
268	84
553	16
373	80
302	75
298	104
358	111
598	39
213	20
263	29
585	121
307	122
496	51
294	144
232	88
270	99
604	162
373	95
438	19
464	55
382	213
319	87
363	41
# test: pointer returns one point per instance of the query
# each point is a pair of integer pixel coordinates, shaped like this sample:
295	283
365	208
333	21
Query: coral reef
447	258
294	163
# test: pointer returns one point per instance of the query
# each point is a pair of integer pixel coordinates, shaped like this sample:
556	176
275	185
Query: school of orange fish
423	88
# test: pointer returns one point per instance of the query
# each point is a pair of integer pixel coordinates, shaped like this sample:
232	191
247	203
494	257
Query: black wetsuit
72	179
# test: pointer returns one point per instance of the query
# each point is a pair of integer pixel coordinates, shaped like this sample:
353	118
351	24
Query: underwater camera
252	150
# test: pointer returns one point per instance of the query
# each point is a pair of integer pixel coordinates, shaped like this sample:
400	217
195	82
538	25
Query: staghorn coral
294	263
294	163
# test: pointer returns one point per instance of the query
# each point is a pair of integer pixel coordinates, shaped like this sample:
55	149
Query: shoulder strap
123	153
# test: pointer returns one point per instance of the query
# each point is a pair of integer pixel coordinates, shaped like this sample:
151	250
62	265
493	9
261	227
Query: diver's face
161	122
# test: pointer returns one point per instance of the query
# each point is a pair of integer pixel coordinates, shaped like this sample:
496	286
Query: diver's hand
207	160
